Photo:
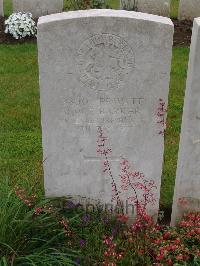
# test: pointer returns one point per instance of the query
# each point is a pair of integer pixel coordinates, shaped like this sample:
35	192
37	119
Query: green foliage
20	130
85	4
34	231
174	8
30	239
7	9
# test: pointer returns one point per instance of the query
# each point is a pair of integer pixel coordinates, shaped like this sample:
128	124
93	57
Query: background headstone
130	5
189	9
38	7
156	7
104	68
1	8
187	187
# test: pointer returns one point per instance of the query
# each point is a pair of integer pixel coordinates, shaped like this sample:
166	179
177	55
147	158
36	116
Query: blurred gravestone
1	8
38	7
189	9
156	7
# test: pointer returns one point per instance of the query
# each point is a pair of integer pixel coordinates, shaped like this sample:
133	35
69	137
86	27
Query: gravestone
1	8
187	187
130	5
102	70
156	7
189	9
38	7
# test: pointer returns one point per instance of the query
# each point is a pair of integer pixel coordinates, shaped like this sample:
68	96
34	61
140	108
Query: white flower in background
20	25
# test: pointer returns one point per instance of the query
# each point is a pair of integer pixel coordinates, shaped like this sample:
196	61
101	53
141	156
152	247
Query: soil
166	219
182	34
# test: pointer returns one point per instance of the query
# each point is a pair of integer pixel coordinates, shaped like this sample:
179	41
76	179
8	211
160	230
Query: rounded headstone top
104	13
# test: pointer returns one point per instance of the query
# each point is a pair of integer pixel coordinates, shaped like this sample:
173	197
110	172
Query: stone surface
156	7
1	8
187	187
38	7
189	9
130	5
108	69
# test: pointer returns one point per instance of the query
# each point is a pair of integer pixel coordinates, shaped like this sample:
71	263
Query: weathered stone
189	9
156	7
109	70
38	7
187	188
1	8
130	5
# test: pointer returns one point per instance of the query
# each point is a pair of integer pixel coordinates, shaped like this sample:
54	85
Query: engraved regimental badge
104	61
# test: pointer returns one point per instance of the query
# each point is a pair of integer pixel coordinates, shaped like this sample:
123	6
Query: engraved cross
98	158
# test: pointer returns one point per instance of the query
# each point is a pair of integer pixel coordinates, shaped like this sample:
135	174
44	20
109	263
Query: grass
30	239
7	7
20	133
174	8
176	98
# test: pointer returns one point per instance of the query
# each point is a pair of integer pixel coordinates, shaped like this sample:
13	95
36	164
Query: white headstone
1	8
189	9
38	7
187	187
108	69
156	7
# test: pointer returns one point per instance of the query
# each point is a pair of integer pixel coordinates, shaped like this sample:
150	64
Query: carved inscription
104	61
103	110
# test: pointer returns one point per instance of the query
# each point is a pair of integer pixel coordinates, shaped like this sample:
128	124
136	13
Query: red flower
130	240
141	251
197	252
158	227
197	230
173	247
38	211
179	257
122	218
177	241
169	262
120	256
157	241
160	257
166	235
186	257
